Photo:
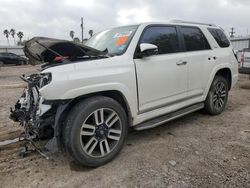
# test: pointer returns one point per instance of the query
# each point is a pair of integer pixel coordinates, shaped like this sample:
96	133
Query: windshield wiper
107	54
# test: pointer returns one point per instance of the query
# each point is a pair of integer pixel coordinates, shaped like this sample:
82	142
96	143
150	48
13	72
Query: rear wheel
217	96
95	131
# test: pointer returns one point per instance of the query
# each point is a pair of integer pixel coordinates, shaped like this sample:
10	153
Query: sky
55	18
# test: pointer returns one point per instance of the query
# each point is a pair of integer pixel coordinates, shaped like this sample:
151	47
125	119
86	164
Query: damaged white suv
87	96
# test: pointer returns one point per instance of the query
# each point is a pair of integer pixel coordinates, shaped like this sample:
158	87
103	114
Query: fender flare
212	75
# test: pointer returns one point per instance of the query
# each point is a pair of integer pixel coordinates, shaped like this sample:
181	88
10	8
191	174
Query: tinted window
194	39
3	54
220	37
164	37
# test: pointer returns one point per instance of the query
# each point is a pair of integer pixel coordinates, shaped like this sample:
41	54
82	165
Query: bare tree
72	34
13	33
7	34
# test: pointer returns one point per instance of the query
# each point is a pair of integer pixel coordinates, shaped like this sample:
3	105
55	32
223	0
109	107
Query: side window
194	39
6	55
164	37
220	37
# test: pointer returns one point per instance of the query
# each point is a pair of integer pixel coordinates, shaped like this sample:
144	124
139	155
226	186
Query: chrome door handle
181	63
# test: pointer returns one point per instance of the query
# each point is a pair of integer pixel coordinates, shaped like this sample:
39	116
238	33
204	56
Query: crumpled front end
33	115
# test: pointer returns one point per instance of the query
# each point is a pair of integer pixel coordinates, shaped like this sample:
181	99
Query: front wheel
217	96
95	131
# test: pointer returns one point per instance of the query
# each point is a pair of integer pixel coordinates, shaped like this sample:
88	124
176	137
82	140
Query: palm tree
72	34
20	36
13	33
91	32
7	33
77	40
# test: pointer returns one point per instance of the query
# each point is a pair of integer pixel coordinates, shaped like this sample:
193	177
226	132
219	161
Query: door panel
199	58
161	81
200	66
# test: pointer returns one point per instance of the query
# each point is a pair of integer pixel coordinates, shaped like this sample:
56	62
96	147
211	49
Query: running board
168	117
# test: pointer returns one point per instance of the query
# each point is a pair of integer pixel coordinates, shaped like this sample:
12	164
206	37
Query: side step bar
168	117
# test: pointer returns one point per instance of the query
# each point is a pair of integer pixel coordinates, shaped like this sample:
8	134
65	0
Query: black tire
73	141
216	100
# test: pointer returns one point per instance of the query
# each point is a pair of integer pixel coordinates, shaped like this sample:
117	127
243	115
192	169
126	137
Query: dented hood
48	49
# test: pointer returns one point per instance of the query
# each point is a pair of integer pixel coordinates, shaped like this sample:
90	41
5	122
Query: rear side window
194	39
220	37
164	37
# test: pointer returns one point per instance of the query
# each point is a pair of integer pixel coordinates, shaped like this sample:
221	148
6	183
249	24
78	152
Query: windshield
114	40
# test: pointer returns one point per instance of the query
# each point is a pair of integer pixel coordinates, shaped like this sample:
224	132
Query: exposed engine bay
29	107
29	111
39	119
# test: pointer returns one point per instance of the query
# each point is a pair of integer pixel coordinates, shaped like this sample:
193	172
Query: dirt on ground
197	150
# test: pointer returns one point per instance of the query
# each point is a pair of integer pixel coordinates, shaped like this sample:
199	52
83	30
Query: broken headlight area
30	111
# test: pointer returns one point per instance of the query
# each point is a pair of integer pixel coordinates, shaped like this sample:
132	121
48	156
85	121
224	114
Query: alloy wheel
219	95
100	132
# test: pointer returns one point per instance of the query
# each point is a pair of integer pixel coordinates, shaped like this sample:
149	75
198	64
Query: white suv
87	96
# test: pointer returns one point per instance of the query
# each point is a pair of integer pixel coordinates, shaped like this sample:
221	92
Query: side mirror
147	49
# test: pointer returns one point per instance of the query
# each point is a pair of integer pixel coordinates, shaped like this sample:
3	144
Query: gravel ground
197	150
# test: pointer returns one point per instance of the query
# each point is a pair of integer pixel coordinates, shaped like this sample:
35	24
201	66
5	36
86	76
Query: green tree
7	34
13	33
20	36
72	34
91	32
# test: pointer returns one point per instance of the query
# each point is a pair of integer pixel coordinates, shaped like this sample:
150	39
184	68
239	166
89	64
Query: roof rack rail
189	22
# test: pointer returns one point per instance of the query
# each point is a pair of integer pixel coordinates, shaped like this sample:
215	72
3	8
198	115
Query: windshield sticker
123	34
121	40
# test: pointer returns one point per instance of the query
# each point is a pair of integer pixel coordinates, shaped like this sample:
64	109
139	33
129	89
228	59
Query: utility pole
232	32
82	27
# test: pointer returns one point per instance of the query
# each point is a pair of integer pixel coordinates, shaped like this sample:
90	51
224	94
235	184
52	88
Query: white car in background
137	76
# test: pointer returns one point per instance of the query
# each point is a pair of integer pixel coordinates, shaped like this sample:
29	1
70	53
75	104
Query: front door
162	78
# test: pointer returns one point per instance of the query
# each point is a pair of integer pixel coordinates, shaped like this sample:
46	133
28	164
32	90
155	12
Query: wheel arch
62	115
223	70
227	74
114	94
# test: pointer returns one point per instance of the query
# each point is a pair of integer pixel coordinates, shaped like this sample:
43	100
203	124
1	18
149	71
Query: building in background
240	43
18	50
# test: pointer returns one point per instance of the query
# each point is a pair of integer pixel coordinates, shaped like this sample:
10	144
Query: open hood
48	50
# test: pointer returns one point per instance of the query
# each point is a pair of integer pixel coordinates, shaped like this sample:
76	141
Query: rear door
162	78
200	60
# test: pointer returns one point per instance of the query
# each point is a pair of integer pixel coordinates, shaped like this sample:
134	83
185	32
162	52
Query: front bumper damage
43	119
37	118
